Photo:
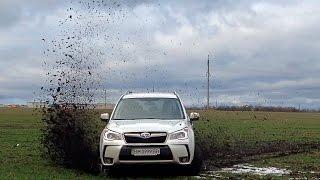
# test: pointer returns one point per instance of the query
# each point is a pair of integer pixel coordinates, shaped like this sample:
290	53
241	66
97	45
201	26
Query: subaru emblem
145	135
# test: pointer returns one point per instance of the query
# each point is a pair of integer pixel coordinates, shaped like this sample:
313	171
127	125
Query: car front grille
165	153
155	137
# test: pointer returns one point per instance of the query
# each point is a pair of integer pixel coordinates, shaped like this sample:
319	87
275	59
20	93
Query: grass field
20	154
284	140
245	134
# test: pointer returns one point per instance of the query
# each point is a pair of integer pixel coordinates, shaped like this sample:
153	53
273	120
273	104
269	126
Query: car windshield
148	108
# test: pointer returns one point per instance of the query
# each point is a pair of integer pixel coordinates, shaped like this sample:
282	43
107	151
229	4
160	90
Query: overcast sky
262	52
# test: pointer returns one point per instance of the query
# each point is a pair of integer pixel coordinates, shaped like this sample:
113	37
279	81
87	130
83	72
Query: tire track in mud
245	152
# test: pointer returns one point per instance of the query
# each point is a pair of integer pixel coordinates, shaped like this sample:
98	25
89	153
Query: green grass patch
302	165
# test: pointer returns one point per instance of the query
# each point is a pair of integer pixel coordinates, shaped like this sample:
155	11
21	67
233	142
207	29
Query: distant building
104	106
1	105
37	104
12	105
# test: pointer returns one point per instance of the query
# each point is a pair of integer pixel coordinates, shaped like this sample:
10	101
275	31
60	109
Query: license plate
145	152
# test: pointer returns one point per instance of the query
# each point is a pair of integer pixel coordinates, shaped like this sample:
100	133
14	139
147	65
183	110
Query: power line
208	83
105	98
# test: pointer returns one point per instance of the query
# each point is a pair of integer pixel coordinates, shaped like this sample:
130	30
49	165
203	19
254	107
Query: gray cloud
14	11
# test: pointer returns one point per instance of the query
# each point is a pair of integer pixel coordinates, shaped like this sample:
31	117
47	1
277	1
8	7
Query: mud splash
73	65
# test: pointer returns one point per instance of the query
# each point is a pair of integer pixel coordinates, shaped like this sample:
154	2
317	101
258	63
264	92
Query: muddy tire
196	165
105	170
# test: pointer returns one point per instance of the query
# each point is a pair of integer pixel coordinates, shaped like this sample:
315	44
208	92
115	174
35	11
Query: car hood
146	125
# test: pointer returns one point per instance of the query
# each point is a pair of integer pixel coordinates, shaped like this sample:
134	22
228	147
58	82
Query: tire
104	169
195	167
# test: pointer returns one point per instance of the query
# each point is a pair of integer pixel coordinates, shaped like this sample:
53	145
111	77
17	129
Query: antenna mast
105	99
208	83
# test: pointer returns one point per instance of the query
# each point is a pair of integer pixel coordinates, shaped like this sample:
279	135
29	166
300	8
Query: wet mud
244	152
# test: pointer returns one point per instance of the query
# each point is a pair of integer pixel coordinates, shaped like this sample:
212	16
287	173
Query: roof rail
175	93
128	92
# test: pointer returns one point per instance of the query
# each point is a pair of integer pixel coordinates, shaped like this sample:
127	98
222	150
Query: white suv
150	128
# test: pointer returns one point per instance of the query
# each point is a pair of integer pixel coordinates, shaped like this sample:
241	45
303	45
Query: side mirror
104	117
194	116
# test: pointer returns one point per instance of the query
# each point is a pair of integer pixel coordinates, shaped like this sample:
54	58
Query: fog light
183	159
108	160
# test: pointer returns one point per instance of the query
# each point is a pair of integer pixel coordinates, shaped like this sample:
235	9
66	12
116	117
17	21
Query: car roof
150	95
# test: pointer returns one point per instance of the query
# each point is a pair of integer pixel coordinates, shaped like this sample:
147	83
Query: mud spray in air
74	60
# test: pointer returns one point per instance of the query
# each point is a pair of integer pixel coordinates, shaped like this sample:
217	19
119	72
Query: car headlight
111	135
182	134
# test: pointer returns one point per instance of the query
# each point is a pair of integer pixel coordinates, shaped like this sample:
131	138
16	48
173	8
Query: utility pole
208	83
105	98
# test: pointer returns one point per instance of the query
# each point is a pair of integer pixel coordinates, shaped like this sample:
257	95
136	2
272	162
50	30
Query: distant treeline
258	108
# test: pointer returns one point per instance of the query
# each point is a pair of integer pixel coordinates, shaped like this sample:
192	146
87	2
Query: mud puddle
245	169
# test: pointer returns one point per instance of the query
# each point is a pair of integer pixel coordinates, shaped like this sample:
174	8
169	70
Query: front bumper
119	152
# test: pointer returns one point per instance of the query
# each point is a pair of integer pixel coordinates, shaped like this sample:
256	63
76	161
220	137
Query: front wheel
196	165
104	169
